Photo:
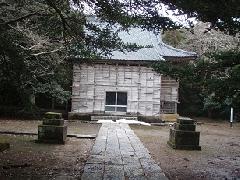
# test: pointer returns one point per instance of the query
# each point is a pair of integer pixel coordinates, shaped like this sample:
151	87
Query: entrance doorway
116	102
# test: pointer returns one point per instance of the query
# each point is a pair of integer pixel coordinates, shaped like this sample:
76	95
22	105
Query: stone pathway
118	154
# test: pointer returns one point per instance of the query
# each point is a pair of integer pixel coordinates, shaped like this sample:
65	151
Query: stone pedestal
52	129
184	135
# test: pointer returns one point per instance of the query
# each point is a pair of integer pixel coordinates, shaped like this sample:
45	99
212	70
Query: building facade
122	89
125	83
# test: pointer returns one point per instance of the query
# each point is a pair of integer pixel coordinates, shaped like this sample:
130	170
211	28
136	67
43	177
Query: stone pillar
52	129
184	135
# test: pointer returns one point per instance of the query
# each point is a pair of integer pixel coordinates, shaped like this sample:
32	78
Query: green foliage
222	14
173	37
30	52
208	85
36	37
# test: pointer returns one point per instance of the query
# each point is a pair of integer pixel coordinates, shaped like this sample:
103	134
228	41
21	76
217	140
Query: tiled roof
156	49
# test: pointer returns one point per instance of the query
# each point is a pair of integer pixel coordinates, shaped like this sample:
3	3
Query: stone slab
185	127
120	153
183	120
113	172
53	115
56	122
52	134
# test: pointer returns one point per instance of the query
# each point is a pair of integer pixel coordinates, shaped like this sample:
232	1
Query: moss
78	116
52	115
3	144
150	119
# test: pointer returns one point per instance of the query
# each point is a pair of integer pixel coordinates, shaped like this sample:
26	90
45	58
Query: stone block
52	134
56	122
184	120
188	140
52	115
94	168
114	172
185	127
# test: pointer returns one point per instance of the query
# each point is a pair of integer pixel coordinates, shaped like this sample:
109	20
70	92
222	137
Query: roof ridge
180	50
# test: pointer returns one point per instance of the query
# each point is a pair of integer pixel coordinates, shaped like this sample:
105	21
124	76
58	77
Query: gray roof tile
156	49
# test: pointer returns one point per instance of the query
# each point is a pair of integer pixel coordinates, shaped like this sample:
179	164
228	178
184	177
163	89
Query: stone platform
184	135
53	130
119	154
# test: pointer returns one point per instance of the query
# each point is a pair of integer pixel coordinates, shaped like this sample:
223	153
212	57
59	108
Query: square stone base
52	134
188	140
185	127
54	122
184	147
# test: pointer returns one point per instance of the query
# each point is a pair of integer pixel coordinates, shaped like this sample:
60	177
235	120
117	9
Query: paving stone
114	160
98	150
137	178
96	159
142	154
64	177
133	169
127	153
92	176
94	168
114	172
156	176
149	166
131	160
118	154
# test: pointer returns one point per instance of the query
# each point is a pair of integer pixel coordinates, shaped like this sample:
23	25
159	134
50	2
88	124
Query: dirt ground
29	160
31	126
218	159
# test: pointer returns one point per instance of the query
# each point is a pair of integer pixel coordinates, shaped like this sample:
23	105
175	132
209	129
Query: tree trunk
53	103
209	113
32	100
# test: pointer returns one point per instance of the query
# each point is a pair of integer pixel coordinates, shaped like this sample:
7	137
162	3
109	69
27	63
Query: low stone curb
80	136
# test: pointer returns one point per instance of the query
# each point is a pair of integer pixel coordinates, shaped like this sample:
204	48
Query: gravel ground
218	159
29	160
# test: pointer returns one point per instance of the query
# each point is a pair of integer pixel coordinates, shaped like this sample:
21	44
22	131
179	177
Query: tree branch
58	11
46	52
19	19
66	27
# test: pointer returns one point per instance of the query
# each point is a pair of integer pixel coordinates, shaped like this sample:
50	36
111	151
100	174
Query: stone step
114	118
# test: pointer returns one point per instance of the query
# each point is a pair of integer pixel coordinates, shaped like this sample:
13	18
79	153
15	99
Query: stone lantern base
184	136
52	129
